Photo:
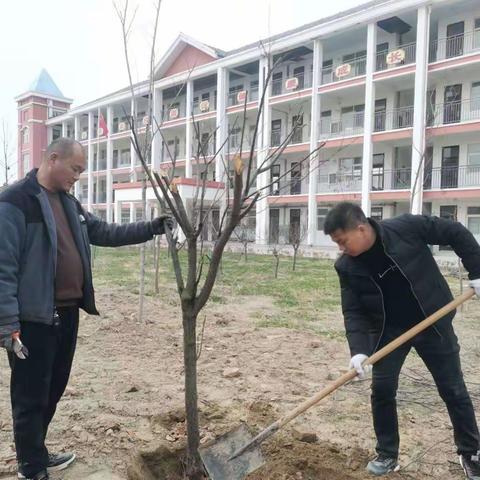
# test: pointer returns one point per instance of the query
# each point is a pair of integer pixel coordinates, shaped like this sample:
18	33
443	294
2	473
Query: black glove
158	224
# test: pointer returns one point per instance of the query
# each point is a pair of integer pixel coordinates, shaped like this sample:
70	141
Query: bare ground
125	394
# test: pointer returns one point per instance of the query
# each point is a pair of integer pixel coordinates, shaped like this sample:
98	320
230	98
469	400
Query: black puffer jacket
406	240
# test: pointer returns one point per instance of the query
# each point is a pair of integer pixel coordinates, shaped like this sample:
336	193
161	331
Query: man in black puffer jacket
45	277
389	282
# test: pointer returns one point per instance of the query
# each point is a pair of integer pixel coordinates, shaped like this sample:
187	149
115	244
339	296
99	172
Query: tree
244	182
6	162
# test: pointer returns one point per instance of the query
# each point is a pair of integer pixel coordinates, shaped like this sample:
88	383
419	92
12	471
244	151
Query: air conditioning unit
241	96
145	120
291	83
122	126
84	136
343	70
204	106
173	113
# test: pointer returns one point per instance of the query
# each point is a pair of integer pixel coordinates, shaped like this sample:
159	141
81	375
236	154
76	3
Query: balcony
402	55
455	112
455	46
278	138
393	119
337	182
203	106
344	71
238	98
452	177
349	124
293	186
173	112
396	179
292	84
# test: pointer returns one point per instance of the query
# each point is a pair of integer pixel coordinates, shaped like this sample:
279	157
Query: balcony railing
452	177
292	186
203	106
294	83
340	182
393	119
277	138
455	112
455	46
343	71
170	113
172	154
396	179
236	98
401	55
350	124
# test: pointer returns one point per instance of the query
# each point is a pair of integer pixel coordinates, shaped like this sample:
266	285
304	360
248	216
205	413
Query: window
351	167
138	214
275	179
474	157
321	215
377	213
473	220
56	132
25	135
125	216
26	163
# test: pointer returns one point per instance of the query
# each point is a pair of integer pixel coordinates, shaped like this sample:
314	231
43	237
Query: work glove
158	224
356	363
475	284
12	343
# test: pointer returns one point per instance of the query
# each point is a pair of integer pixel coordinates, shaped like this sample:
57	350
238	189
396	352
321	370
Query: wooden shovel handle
390	347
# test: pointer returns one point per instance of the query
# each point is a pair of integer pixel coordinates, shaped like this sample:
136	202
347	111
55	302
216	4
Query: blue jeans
441	356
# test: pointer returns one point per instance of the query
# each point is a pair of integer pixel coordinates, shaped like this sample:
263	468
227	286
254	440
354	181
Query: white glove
356	363
475	284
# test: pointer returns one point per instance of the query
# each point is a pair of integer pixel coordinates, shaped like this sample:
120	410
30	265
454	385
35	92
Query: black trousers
441	356
38	383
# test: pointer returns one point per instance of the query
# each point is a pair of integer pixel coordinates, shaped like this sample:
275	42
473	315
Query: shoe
471	466
40	476
382	464
56	462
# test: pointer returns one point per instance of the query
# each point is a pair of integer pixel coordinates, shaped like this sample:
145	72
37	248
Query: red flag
102	127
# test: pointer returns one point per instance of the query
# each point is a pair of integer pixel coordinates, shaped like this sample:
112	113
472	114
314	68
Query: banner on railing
241	96
204	106
343	70
291	83
145	121
396	56
173	113
122	126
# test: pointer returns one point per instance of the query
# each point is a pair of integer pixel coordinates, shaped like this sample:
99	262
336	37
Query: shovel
236	454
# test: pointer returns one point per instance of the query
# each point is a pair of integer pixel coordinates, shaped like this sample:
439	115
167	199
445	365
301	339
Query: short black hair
344	216
62	146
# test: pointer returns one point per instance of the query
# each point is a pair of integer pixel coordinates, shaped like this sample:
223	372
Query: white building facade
391	90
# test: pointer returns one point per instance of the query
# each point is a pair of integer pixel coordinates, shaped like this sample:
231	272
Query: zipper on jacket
411	286
384	314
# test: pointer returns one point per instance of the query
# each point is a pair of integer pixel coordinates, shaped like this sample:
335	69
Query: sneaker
471	466
382	464
40	476
56	462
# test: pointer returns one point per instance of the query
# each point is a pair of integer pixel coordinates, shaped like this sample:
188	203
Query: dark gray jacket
406	240
28	251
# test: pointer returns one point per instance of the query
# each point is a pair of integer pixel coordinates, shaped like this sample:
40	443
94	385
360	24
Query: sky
80	42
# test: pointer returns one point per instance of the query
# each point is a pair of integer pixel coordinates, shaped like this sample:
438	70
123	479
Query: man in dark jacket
389	282
45	277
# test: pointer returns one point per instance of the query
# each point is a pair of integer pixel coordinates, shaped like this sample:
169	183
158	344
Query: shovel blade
216	454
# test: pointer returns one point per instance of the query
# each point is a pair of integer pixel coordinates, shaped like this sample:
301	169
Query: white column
188	130
419	113
156	122
76	123
64	129
369	118
222	125
314	124
263	143
118	211
109	179
90	162
132	212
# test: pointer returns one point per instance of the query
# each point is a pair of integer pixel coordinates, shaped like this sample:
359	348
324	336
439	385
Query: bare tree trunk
142	255
277	262
295	250
245	251
194	469
157	264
